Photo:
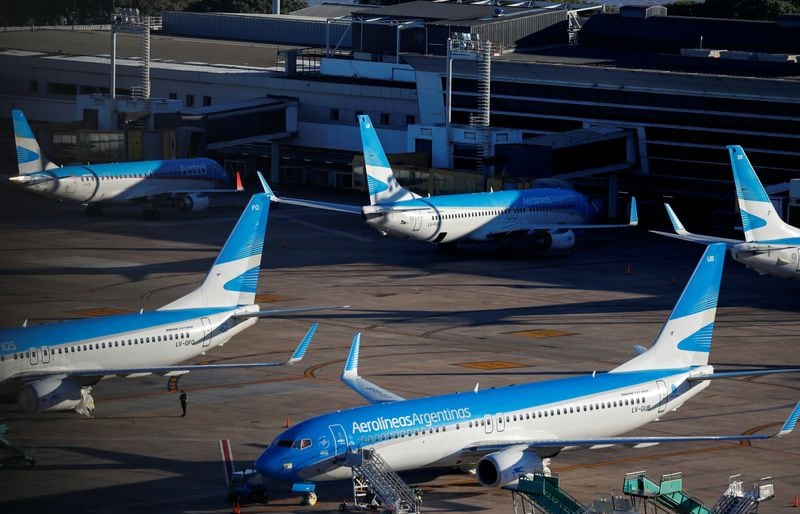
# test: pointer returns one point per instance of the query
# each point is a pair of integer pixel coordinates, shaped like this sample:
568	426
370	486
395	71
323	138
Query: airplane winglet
351	365
790	422
300	352
634	219
239	186
267	190
676	222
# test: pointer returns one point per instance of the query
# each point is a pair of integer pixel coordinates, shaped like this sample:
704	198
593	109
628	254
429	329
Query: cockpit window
285	443
302	444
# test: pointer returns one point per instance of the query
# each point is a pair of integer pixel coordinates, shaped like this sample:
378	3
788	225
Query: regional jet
771	245
506	432
548	215
179	183
52	367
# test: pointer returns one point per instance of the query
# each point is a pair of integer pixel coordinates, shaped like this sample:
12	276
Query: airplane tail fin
760	221
685	339
233	278
29	155
381	182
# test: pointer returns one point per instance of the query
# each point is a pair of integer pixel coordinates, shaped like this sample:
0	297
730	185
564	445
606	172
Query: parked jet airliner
548	215
771	246
511	431
52	367
181	183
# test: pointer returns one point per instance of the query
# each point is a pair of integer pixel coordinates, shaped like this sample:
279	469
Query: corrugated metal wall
266	29
515	31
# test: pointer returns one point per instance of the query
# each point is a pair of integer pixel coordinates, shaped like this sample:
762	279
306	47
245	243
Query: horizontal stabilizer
370	391
741	374
280	312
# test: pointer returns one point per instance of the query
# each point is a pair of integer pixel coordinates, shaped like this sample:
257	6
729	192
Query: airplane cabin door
662	396
34	357
339	440
206	331
488	424
417	219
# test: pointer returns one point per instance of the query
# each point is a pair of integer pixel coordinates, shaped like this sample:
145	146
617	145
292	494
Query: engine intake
502	468
561	239
193	203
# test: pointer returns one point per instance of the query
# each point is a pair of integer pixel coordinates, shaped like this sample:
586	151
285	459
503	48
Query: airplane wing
170	371
640	442
632	222
370	391
151	189
682	233
339	207
279	312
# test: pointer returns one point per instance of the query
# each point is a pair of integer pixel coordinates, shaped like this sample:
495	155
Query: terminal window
384	118
206	101
189	100
334	114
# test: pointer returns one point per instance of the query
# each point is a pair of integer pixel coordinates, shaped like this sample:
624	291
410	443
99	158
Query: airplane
771	245
180	183
53	366
548	215
505	432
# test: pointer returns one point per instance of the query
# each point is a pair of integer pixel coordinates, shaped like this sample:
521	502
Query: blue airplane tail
760	220
233	278
685	339
29	155
381	182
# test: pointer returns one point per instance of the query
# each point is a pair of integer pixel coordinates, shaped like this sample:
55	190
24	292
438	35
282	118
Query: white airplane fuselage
479	216
777	260
439	431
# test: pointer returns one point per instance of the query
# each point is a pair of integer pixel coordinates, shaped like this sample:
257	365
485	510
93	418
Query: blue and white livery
771	245
52	367
507	432
548	215
179	183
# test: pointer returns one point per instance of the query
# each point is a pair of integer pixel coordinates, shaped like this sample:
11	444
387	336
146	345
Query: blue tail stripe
700	341
247	282
247	238
702	291
376	186
21	127
373	151
751	221
25	155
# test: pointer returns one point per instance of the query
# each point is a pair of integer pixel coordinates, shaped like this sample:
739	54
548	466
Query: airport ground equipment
244	486
16	450
543	491
375	485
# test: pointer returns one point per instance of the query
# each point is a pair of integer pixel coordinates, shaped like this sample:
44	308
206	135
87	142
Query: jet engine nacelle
502	468
561	239
51	394
193	203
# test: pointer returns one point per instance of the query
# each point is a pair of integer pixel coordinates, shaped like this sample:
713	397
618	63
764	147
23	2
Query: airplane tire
310	499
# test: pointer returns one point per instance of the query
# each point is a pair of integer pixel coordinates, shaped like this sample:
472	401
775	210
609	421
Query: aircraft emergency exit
507	432
548	215
180	183
771	245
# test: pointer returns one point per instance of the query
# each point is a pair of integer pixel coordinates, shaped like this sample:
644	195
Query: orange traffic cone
795	504
237	509
628	269
288	422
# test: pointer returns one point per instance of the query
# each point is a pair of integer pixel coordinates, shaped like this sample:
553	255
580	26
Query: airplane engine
502	468
561	239
193	203
52	394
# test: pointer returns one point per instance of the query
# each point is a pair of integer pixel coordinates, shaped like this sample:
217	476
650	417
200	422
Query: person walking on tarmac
183	399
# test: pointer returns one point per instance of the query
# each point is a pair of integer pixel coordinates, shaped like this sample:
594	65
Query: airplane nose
273	466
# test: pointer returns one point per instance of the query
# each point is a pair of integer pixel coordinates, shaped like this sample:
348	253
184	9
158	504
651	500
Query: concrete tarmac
426	320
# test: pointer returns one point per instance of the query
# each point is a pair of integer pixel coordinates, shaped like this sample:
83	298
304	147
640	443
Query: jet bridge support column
613	189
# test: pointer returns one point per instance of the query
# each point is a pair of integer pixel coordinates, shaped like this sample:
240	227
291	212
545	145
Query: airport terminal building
630	101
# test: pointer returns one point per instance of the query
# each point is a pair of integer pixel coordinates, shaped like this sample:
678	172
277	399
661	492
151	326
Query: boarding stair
543	491
667	494
735	500
376	485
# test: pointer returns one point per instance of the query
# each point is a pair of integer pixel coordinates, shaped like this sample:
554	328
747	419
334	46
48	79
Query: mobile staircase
375	485
667	494
543	491
735	500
